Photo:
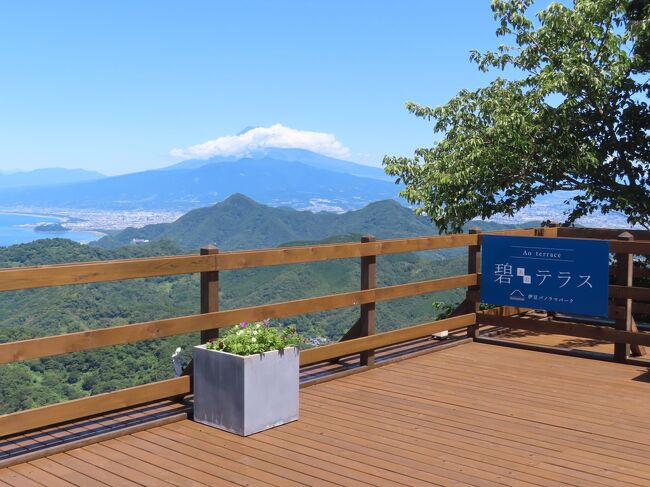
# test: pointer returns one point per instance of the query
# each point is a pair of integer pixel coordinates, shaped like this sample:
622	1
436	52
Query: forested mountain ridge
241	223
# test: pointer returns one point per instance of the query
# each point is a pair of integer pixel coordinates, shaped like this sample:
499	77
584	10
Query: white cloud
275	136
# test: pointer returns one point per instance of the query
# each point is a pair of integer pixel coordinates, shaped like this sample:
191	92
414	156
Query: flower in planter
252	338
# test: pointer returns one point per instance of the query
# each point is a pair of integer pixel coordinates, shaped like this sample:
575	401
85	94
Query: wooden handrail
16	278
594	332
629	292
638	271
118	335
634	247
88	406
294	255
115	270
356	345
600	233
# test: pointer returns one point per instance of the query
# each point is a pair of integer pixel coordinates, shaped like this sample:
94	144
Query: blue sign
553	274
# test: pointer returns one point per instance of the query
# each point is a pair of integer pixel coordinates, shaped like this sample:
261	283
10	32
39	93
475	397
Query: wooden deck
25	447
475	414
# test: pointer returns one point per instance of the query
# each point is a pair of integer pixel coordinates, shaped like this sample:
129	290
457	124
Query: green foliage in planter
252	338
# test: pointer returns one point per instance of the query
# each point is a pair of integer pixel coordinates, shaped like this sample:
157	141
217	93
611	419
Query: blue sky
115	86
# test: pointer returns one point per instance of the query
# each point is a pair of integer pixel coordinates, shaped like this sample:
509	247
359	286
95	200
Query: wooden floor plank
148	452
450	447
347	472
138	477
242	463
496	429
194	457
342	457
149	469
41	476
408	469
476	414
403	447
454	436
91	470
66	473
278	464
596	419
501	405
15	479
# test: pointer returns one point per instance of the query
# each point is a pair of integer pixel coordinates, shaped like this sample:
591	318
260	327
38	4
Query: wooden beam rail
636	293
632	247
118	335
638	271
88	406
17	278
92	272
594	332
356	345
600	233
637	308
12	279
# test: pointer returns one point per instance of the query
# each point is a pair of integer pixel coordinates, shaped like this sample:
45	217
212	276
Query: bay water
17	229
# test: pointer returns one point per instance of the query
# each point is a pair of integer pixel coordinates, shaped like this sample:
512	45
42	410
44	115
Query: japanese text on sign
557	274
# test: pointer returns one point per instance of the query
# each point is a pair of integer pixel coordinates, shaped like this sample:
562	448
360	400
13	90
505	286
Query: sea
17	229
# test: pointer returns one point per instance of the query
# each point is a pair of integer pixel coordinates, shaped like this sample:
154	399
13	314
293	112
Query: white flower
254	333
253	339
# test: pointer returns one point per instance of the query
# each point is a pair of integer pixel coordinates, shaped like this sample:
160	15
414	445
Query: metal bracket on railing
176	360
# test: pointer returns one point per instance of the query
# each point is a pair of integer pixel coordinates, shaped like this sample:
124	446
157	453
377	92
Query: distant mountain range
303	156
279	177
47	177
241	223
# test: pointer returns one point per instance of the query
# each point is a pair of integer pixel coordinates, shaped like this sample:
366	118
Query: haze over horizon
182	79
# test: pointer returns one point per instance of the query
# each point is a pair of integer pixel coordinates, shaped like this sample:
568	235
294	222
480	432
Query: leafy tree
575	118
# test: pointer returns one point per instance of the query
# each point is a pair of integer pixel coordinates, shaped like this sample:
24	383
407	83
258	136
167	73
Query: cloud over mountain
259	138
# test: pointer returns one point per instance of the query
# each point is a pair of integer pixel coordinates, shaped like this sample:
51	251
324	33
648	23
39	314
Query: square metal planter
245	394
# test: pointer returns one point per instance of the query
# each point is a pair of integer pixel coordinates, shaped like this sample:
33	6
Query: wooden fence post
624	274
209	293
367	321
550	230
472	296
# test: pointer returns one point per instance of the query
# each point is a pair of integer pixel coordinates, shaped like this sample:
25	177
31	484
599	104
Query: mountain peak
242	223
238	199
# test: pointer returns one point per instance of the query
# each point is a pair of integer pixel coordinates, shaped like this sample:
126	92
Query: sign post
559	274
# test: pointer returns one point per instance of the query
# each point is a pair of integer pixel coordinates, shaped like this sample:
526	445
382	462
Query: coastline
35	215
20	227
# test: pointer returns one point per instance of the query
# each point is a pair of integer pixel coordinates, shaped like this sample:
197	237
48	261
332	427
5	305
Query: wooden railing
209	263
362	339
625	298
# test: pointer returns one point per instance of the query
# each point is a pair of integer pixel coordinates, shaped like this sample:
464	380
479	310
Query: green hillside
241	223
